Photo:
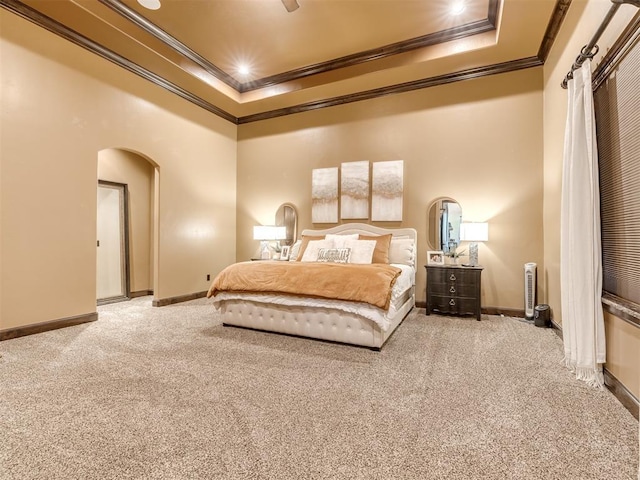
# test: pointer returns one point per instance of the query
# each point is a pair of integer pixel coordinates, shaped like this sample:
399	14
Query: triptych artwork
354	190
324	195
385	190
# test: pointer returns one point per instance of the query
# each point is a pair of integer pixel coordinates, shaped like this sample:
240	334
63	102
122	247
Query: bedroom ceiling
326	52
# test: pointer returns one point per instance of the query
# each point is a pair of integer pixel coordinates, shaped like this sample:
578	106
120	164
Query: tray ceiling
247	60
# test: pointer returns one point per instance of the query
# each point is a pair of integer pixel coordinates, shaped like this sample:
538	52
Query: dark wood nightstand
453	289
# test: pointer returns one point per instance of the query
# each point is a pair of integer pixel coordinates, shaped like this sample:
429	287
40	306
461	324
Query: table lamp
267	233
474	232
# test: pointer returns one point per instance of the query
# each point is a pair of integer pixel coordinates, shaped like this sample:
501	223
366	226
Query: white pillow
401	251
313	247
361	250
295	250
339	241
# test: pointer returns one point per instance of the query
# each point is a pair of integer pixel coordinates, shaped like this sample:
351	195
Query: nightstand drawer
454	305
454	289
451	275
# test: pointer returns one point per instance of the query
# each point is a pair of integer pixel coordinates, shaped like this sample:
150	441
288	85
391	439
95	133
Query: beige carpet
168	393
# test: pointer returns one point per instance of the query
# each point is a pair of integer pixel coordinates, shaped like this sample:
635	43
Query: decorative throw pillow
361	251
401	251
334	255
340	240
381	253
295	250
313	247
303	246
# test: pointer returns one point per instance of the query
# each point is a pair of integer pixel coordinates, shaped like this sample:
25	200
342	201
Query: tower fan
529	290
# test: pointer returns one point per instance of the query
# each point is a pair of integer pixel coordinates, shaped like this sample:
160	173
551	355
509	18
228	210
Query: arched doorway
127	252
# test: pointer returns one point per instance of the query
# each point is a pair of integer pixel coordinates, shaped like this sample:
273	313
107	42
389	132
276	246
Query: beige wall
137	173
61	105
581	22
623	352
478	141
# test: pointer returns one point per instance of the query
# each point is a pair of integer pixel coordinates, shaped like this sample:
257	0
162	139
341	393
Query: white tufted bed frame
322	323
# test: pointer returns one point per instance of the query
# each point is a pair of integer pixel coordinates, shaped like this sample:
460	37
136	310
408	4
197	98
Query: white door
111	257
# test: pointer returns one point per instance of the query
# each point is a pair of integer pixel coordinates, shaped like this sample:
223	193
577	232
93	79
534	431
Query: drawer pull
452	289
452	277
452	302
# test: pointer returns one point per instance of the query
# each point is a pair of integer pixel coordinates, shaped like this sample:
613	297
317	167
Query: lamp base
473	254
265	253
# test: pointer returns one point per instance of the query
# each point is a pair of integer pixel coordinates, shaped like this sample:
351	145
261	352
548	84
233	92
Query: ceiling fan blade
290	5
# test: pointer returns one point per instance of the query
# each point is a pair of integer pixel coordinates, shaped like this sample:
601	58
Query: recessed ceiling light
150	4
243	69
456	9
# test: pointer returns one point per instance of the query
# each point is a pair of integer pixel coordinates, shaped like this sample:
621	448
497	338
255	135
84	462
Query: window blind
617	111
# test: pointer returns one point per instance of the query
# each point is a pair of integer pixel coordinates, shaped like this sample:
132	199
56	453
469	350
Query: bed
327	309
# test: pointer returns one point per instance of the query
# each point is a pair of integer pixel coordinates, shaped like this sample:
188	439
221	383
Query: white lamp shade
281	233
269	232
474	231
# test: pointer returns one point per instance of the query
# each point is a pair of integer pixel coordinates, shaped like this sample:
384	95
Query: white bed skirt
321	323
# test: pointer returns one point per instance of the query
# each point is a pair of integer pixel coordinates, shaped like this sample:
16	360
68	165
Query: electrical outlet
208	277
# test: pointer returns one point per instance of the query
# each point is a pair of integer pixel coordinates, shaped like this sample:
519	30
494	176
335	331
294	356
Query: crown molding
559	12
171	42
55	27
473	28
399	88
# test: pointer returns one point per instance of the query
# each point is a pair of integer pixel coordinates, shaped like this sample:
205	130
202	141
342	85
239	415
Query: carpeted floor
169	393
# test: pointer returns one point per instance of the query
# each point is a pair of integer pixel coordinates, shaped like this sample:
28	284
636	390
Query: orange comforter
370	284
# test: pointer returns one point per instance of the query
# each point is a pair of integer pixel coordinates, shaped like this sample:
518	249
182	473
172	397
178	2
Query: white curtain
580	244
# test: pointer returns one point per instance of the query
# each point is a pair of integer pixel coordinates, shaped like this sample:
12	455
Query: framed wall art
354	190
387	189
324	195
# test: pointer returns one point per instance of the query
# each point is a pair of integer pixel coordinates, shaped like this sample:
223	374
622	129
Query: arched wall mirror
286	216
443	224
